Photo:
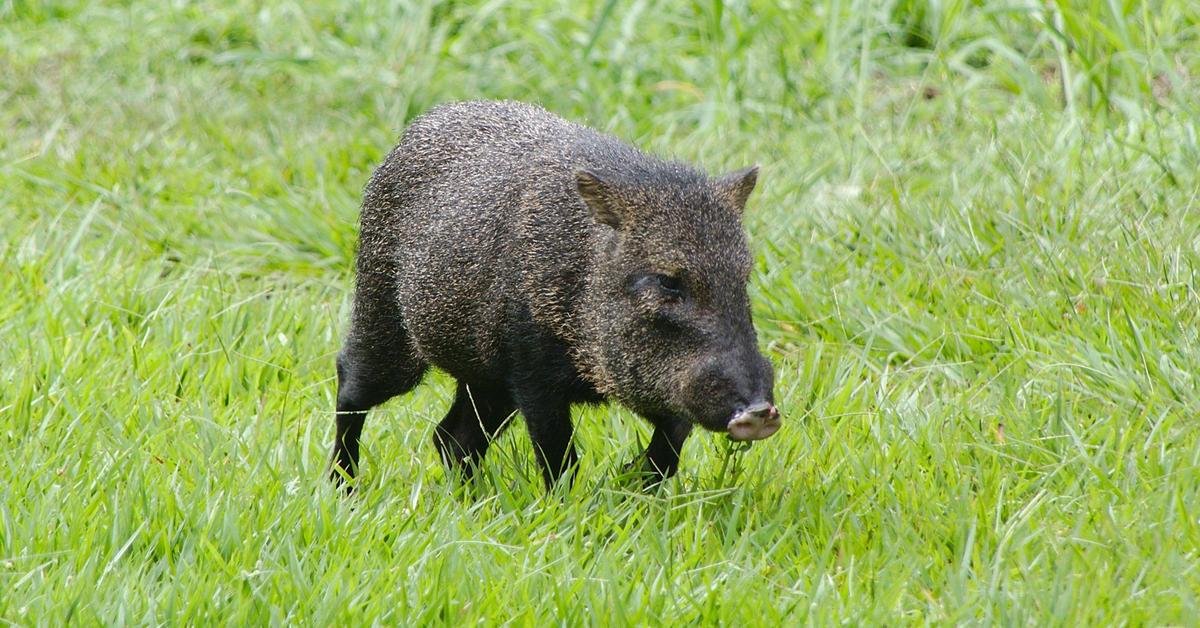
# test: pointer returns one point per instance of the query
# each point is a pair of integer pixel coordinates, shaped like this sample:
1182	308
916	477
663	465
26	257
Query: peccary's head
667	310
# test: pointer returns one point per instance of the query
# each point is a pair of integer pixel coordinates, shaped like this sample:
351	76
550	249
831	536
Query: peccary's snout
755	422
760	418
733	393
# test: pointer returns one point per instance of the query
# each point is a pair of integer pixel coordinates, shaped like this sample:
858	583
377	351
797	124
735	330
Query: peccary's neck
590	304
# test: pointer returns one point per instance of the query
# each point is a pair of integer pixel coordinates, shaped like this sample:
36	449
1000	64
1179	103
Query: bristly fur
503	245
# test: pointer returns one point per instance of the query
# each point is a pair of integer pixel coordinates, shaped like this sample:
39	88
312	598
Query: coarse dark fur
543	264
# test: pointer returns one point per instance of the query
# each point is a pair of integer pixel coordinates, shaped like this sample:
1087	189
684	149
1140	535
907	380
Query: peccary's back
474	215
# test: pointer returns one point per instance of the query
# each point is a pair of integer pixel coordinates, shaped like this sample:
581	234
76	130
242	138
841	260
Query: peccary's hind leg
374	366
378	361
478	415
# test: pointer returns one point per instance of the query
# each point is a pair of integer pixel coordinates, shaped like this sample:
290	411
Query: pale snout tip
756	422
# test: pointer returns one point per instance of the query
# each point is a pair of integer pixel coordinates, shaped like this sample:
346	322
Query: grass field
977	237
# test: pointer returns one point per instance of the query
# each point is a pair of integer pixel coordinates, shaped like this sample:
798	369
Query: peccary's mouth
757	422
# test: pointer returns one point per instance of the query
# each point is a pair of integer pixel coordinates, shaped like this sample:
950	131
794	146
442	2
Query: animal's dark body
543	264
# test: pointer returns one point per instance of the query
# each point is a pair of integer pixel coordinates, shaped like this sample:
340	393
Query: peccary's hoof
640	474
757	422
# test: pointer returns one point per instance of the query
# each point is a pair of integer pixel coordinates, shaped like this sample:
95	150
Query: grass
978	260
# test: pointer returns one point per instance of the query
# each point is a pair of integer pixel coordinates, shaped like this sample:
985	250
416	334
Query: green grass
978	244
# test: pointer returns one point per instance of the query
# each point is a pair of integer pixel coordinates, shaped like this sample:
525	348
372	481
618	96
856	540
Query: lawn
977	244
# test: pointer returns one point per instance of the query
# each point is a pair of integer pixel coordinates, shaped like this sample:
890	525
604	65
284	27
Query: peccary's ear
735	187
599	197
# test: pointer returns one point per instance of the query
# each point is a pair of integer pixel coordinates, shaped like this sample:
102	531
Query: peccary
543	264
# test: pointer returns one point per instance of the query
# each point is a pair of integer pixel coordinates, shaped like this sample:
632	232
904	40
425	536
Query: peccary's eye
669	287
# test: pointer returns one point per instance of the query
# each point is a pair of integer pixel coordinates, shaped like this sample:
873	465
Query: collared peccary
543	264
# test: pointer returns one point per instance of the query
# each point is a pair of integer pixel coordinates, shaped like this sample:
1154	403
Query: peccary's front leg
543	384
661	458
478	415
548	418
551	431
